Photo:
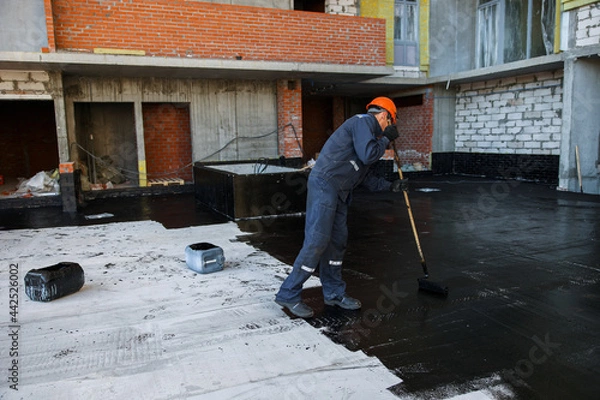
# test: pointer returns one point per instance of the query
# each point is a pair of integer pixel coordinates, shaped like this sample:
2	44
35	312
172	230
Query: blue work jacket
345	158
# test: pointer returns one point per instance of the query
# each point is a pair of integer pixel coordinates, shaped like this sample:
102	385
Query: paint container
50	283
204	257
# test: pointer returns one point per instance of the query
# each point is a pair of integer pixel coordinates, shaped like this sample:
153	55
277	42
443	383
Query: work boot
346	302
299	309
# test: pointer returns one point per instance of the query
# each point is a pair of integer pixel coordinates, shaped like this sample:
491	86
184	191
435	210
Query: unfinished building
132	93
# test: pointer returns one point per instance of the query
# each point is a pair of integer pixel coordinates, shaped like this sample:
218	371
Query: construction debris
165	182
107	172
41	184
99	216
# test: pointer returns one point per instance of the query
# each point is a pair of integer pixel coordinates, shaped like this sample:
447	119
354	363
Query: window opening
409	101
488	35
513	30
406	33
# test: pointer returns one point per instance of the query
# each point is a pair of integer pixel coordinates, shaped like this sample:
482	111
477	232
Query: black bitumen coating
521	260
173	211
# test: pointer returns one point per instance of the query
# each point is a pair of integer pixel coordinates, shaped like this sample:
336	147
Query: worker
342	165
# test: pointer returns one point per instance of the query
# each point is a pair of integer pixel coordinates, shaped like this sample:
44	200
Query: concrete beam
143	66
537	64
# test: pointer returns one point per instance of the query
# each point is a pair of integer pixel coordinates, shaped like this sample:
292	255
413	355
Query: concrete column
60	116
581	126
566	167
444	110
139	134
68	183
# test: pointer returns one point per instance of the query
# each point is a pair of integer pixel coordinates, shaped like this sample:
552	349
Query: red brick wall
190	28
168	143
49	25
289	111
415	125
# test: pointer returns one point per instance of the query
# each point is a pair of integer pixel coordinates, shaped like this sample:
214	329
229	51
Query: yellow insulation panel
572	4
424	35
383	9
143	173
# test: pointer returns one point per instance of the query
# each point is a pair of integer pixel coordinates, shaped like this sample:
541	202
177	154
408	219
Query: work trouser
325	238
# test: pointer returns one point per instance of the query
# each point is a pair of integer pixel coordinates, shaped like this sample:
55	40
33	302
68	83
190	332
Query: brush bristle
432	287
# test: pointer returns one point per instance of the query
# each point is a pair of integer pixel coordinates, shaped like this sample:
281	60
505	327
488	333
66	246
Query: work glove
399	185
391	132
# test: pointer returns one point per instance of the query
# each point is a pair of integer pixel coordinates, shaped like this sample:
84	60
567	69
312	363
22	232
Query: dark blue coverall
342	165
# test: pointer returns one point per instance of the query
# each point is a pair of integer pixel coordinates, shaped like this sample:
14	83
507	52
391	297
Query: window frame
402	44
501	31
484	4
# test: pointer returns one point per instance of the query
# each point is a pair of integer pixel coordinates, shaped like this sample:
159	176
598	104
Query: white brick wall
519	115
408	72
23	82
588	26
341	7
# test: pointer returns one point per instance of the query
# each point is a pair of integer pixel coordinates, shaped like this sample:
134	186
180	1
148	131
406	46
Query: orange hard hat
387	104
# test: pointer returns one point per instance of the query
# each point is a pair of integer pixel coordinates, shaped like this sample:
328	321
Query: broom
424	283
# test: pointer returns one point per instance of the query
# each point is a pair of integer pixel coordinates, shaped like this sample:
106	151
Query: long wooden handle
410	213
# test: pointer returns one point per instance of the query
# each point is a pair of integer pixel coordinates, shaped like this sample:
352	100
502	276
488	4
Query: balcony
205	40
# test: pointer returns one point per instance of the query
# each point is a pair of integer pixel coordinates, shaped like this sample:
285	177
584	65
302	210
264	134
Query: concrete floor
522	262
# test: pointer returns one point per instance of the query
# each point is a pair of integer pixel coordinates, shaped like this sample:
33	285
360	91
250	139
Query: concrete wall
22	25
517	115
229	120
452	34
107	131
581	126
586	121
444	139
